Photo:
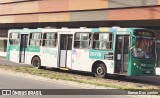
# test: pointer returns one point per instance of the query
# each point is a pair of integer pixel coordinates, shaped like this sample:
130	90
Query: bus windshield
145	48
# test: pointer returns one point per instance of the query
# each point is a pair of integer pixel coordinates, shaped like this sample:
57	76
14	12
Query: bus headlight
134	64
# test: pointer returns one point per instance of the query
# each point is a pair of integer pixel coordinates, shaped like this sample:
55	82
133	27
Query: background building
77	13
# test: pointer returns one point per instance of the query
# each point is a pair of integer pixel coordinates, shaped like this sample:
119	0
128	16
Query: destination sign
144	33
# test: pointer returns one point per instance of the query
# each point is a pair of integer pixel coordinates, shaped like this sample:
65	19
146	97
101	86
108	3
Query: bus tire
100	70
36	62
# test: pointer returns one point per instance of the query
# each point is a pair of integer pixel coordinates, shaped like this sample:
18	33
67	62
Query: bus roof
100	29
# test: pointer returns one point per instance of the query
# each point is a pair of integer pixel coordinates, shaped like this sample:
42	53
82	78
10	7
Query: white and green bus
102	51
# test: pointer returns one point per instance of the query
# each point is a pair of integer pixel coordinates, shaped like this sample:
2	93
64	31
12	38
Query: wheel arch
34	57
95	64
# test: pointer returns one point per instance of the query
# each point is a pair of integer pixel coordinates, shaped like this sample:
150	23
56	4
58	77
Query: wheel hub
36	63
100	71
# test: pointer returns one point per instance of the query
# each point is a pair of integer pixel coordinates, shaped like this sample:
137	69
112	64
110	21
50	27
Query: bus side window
82	40
49	39
76	44
95	41
31	40
14	38
102	41
35	39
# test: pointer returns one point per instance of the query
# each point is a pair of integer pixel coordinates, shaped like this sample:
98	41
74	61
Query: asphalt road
17	82
13	82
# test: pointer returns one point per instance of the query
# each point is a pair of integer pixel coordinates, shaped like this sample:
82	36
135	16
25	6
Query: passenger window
14	38
35	39
81	40
102	41
49	39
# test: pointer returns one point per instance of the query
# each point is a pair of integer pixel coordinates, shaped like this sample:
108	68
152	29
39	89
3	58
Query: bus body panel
105	56
14	53
141	67
31	52
49	57
30	56
110	66
80	60
80	56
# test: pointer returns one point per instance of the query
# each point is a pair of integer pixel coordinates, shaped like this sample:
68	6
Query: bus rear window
14	38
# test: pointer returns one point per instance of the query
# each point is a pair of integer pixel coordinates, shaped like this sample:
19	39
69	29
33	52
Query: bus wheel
100	70
36	62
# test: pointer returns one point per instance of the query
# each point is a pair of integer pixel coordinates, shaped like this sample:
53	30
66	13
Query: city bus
102	51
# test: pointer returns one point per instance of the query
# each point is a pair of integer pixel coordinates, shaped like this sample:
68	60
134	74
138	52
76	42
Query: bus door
23	46
65	50
121	54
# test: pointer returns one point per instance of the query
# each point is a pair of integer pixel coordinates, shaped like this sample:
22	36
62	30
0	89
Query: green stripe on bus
96	54
33	49
95	30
